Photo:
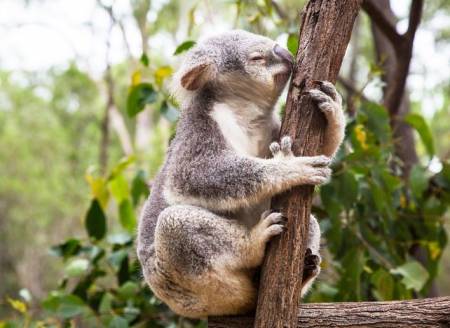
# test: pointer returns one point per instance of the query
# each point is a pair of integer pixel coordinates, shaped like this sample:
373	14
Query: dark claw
275	210
308	252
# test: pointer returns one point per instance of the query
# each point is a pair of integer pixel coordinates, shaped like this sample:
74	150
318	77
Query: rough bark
429	312
387	58
324	35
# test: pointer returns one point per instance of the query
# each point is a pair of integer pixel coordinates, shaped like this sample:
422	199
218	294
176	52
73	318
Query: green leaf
139	96
169	112
378	121
185	46
76	267
162	73
128	289
144	59
95	222
384	284
419	124
418	181
121	238
292	43
119	188
65	306
118	322
347	188
127	216
414	275
106	303
139	187
67	249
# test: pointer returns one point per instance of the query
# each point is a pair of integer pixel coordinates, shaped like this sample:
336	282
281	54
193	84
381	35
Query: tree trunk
387	58
429	312
324	35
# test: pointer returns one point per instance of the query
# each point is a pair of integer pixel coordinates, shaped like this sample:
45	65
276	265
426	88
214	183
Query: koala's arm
232	181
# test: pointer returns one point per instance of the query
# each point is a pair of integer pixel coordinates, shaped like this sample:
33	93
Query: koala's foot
271	224
311	267
314	169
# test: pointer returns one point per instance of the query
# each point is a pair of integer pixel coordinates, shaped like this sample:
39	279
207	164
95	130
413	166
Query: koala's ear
196	77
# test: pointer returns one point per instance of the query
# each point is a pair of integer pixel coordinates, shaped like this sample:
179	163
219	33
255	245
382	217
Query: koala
203	231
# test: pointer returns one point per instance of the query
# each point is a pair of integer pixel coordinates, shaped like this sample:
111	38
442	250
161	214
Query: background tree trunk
324	35
430	312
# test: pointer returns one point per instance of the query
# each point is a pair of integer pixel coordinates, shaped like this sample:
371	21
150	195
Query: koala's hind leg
203	262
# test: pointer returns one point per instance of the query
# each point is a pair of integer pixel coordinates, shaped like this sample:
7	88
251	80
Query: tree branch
383	23
319	57
429	312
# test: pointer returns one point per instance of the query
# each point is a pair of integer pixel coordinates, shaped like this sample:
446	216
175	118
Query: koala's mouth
282	77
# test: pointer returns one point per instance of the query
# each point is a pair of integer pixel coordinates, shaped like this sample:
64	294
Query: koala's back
197	137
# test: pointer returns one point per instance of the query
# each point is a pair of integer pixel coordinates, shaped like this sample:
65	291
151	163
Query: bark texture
429	312
324	35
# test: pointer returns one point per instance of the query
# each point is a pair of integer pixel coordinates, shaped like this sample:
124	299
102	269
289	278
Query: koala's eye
257	57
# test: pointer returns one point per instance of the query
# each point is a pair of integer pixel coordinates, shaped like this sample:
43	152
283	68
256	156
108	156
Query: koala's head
237	64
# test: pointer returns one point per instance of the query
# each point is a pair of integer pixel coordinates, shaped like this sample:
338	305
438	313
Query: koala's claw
271	224
320	161
312	265
284	148
329	89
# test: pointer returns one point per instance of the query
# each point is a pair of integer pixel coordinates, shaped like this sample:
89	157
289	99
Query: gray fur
203	230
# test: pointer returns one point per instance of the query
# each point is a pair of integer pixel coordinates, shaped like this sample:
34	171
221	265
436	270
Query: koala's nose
283	54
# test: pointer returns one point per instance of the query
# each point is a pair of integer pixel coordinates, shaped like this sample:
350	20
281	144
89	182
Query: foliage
102	283
373	219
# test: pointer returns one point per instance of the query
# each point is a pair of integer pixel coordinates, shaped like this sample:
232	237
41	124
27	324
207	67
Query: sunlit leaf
76	267
419	124
17	305
136	78
139	96
98	188
414	275
185	46
162	73
127	216
95	222
120	238
119	188
292	43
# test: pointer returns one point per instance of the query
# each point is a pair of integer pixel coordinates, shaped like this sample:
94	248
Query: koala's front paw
329	102
282	149
311	170
311	267
315	170
271	224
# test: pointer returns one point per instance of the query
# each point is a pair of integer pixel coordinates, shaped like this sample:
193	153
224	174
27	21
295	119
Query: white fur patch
245	127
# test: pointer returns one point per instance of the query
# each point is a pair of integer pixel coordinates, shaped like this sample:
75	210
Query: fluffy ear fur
196	77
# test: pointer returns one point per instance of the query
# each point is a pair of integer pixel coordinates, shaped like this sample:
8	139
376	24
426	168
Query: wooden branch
324	35
429	312
383	23
404	49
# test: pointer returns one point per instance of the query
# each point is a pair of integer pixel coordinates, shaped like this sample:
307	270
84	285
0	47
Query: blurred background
86	116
